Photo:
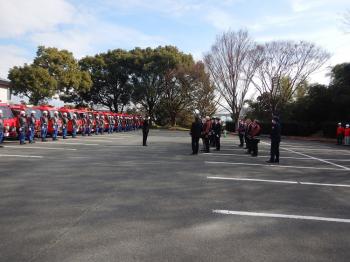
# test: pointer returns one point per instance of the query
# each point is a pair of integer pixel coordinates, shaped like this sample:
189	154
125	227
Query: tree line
163	82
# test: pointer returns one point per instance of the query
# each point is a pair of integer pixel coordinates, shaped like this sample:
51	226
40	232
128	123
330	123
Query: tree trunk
173	119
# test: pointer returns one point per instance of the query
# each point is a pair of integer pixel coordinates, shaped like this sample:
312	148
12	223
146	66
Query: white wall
4	95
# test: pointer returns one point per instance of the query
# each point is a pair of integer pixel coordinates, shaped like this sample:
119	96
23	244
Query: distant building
5	92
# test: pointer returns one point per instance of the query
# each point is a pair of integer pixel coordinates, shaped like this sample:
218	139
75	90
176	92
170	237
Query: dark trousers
145	135
241	139
248	144
275	151
340	139
254	146
207	145
195	145
217	142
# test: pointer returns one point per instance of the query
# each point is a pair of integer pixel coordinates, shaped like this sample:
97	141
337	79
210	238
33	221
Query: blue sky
89	27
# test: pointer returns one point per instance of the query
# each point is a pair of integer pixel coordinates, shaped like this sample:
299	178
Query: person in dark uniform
44	122
247	128
31	127
217	133
241	132
55	126
102	124
212	138
22	127
64	125
145	130
195	133
2	128
74	126
89	125
275	141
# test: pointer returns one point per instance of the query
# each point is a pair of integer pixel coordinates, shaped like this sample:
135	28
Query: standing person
74	126
347	135
102	124
247	130
195	133
89	125
212	138
44	122
340	134
22	127
275	141
217	133
55	126
31	127
2	127
110	125
145	131
206	133
97	129
64	125
83	125
241	132
254	137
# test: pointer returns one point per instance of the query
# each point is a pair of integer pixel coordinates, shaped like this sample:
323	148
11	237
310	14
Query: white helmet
33	112
56	113
64	114
45	112
0	111
97	117
22	113
74	115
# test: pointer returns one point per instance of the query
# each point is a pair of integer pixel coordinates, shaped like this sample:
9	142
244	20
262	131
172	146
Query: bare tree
232	64
294	61
346	21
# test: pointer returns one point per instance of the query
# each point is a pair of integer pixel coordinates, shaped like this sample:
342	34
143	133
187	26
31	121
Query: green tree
64	68
110	73
150	69
33	82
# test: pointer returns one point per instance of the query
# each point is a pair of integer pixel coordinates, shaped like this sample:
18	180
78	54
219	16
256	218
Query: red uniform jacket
340	130
347	132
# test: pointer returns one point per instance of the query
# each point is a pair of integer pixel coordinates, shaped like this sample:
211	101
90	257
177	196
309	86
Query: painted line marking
267	156
276	181
22	156
271	215
68	143
275	166
316	158
38	147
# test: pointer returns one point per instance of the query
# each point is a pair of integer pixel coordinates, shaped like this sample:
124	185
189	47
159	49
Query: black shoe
277	162
269	161
254	155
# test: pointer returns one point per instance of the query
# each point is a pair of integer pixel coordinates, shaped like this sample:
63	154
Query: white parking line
316	158
274	166
276	181
271	215
69	143
246	155
21	156
38	147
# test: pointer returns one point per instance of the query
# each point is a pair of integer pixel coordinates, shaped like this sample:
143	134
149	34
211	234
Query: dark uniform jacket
145	127
44	121
196	129
276	132
217	129
22	123
32	121
1	125
64	122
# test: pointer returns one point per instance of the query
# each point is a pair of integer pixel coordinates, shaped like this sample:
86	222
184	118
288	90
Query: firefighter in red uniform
340	134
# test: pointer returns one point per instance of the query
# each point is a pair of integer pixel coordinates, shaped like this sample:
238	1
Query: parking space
107	198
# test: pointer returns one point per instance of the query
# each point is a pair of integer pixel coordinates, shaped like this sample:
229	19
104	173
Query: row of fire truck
11	118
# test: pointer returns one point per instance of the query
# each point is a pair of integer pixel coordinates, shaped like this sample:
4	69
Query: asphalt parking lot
107	198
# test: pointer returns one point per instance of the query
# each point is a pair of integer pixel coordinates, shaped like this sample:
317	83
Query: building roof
4	83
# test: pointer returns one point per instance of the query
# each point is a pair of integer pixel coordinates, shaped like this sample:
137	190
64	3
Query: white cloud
220	19
18	17
11	56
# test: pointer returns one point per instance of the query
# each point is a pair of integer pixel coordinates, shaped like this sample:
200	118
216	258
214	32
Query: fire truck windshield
6	112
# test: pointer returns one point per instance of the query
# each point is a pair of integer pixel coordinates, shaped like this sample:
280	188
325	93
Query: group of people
209	130
248	132
89	124
343	134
